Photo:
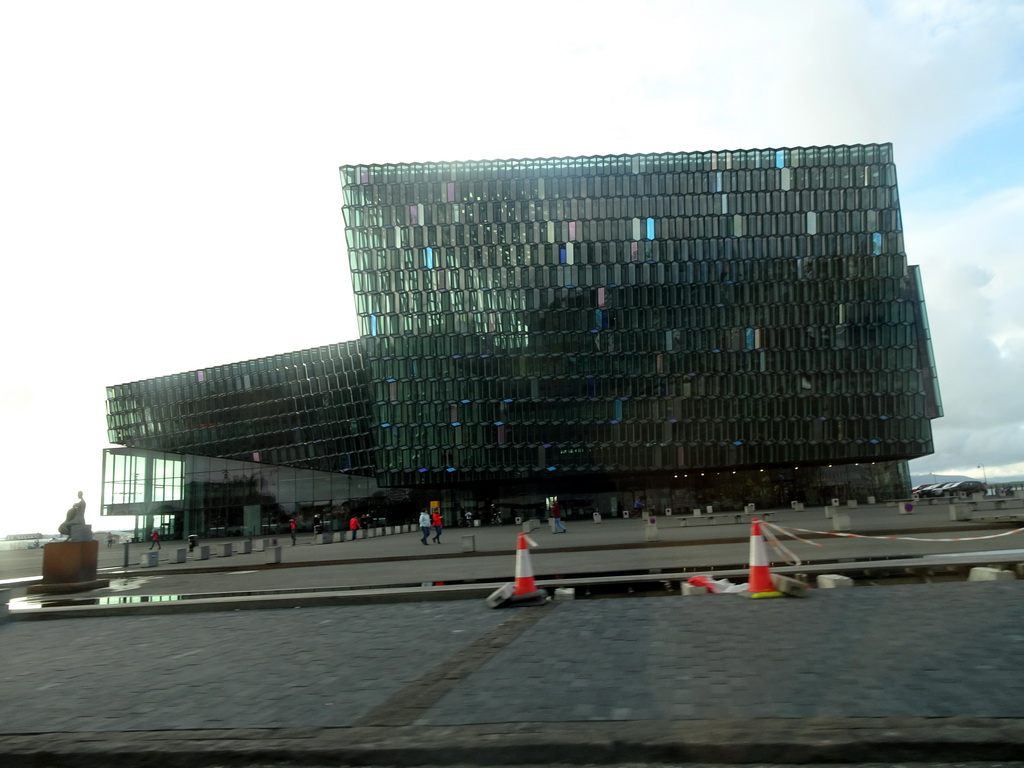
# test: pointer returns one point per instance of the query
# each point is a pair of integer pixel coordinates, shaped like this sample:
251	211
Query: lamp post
984	474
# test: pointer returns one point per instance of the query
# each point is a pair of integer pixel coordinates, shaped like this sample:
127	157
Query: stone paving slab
893	673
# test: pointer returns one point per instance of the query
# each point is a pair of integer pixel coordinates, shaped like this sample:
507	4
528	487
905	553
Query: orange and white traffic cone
526	588
760	584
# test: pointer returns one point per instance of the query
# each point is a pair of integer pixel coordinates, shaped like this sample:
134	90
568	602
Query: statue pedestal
69	566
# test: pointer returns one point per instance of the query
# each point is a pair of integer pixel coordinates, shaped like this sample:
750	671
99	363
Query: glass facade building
689	328
573	320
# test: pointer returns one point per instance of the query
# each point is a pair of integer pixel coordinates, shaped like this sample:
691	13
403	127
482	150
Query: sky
170	199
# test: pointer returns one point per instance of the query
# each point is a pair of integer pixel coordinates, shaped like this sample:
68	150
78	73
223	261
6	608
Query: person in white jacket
425	526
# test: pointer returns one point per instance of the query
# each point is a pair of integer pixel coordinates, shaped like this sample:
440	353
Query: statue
74	526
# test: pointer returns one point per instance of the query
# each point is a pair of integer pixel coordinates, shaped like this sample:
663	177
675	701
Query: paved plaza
883	674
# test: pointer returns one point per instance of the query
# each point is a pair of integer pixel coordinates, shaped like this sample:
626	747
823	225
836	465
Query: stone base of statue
69	566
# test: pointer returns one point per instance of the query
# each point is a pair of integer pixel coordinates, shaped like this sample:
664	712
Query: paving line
409	703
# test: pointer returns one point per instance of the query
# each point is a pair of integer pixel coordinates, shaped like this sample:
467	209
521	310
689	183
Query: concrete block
179	555
565	593
693	589
225	550
272	555
597	517
797	505
243	547
202	552
871	499
709	509
749	509
468	543
5	596
500	596
149	559
959	512
789	586
840	521
990	574
833	581
829	511
851	503
651	530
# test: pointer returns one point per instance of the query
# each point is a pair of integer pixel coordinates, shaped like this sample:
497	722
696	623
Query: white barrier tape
787	555
889	538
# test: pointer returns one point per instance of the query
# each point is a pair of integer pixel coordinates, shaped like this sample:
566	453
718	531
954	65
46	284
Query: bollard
651	529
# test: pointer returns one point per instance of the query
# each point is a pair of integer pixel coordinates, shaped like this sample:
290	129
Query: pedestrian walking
424	526
155	539
438	523
293	529
353	525
556	518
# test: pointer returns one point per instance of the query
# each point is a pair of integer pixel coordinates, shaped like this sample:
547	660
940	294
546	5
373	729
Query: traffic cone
526	588
760	584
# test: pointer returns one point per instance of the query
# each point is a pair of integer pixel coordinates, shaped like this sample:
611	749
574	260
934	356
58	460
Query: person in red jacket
556	519
353	525
438	523
155	536
292	528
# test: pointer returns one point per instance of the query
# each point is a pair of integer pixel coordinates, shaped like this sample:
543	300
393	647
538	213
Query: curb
824	740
